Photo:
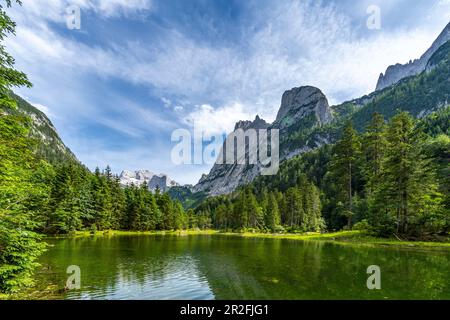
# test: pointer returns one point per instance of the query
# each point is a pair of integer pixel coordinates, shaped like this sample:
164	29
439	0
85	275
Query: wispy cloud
214	121
303	42
278	45
55	10
43	108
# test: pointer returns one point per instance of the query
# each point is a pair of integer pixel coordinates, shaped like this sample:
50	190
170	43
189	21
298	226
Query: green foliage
81	200
22	189
391	179
344	169
297	209
437	123
362	225
426	91
9	77
185	195
406	200
358	181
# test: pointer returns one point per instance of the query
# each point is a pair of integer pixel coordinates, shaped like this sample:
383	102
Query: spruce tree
272	216
344	169
373	148
221	217
407	194
253	210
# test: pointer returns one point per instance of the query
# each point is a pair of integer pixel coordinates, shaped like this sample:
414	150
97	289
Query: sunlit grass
341	237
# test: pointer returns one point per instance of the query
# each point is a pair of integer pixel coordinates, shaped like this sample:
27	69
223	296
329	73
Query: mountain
398	72
302	109
186	196
299	103
224	178
154	181
49	145
306	121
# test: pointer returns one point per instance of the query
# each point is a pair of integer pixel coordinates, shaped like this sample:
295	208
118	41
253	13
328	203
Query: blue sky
139	69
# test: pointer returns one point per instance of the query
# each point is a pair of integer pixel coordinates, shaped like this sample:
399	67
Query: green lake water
225	267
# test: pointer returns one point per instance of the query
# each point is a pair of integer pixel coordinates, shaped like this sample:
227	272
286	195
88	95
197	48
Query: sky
136	70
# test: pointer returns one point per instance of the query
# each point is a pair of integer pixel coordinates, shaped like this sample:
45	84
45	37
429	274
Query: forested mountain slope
306	122
49	145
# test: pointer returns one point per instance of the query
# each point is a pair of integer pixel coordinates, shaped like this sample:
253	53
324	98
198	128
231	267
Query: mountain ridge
50	145
397	72
154	181
305	105
308	123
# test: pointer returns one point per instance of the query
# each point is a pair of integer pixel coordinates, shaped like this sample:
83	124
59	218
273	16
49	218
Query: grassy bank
342	237
349	238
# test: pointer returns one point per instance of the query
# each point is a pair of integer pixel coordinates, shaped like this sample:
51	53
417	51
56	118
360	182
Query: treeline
391	179
37	198
81	200
298	209
387	177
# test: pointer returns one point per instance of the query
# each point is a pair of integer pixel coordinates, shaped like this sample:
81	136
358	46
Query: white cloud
154	157
302	44
115	7
290	44
167	103
178	109
122	126
43	108
213	121
55	10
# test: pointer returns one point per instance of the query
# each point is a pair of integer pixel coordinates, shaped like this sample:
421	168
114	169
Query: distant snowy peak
154	181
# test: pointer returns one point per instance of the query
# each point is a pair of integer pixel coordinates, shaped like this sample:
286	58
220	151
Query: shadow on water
224	267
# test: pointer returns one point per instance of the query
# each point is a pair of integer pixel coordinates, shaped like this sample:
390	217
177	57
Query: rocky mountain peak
298	103
258	123
397	72
154	181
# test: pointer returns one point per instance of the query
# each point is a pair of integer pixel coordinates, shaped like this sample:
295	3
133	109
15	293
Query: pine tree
179	216
118	203
344	169
240	214
294	207
102	201
192	219
373	147
253	210
282	207
313	220
221	217
408	193
168	215
70	202
272	216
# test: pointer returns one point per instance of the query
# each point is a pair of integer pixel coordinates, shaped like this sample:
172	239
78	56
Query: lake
228	267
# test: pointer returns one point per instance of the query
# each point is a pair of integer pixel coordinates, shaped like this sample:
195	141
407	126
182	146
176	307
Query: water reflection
221	267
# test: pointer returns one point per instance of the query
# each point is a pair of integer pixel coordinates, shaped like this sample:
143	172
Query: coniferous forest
390	179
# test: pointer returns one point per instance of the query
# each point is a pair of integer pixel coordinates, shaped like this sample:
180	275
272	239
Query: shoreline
341	237
345	238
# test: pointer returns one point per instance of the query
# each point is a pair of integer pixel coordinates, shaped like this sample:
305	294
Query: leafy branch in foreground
20	188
